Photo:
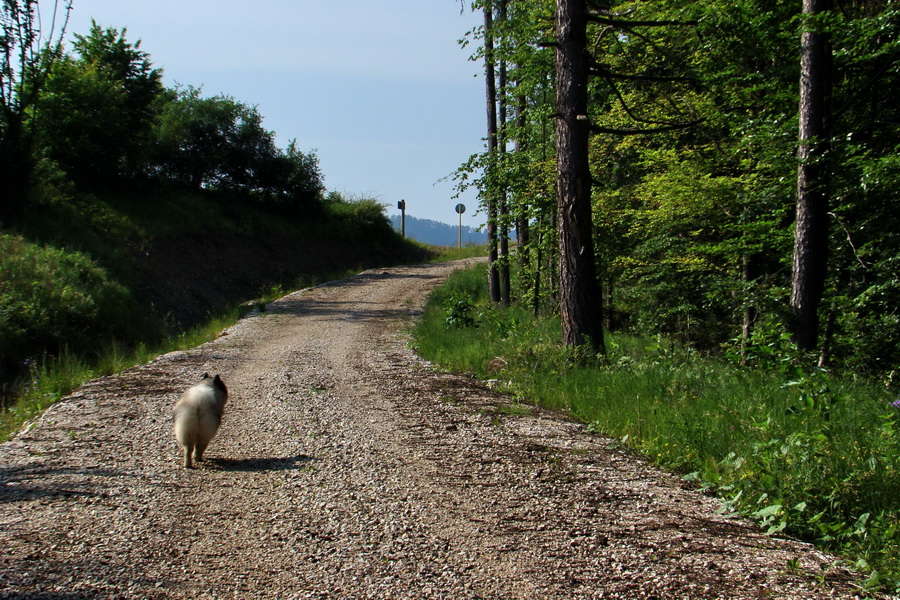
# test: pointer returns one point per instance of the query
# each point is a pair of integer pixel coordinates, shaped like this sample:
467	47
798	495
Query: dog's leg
200	449
187	457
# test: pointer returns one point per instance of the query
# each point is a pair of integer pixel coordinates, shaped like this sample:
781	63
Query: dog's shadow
251	465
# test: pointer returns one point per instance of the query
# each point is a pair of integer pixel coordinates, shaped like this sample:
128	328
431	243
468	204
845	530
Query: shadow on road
246	465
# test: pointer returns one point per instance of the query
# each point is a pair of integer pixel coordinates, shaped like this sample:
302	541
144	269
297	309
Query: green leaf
769	511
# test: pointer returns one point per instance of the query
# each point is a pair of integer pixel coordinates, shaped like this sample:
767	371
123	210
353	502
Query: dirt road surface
346	467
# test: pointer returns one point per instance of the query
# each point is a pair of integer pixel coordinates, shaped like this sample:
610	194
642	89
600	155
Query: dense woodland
652	159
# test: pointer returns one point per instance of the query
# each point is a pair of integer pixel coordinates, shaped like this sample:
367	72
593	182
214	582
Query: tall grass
802	451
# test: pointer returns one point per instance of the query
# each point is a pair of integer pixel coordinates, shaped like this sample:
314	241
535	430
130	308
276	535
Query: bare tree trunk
523	242
580	299
811	233
490	192
536	286
503	193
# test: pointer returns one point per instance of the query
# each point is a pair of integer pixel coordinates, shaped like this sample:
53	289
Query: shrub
51	299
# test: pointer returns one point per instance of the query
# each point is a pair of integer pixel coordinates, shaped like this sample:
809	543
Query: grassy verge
801	451
49	379
445	253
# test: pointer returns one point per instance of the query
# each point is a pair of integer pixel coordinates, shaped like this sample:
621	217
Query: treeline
131	211
97	118
691	117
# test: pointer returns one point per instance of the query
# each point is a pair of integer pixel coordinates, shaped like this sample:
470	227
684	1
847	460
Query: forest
706	266
660	169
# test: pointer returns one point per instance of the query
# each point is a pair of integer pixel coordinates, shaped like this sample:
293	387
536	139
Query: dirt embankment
184	279
348	468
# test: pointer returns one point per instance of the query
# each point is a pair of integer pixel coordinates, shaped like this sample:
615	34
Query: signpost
402	206
460	209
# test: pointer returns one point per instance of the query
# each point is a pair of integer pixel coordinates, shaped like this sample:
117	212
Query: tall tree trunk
536	285
523	243
811	233
490	191
503	193
580	301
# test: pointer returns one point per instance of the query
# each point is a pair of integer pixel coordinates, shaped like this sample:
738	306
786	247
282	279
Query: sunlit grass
447	253
50	379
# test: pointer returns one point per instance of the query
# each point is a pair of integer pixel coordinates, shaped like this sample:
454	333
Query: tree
503	191
220	143
209	142
27	53
98	109
492	153
580	301
811	228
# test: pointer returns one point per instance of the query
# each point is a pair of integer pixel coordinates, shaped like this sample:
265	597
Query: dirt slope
348	468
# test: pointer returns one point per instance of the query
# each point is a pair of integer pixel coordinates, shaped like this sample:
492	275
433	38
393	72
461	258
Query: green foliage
800	450
51	299
100	116
97	109
30	41
693	224
459	311
220	143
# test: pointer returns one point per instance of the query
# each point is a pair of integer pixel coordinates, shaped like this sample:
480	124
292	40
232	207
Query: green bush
52	299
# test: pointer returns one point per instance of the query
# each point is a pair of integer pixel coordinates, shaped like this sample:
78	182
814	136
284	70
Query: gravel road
346	467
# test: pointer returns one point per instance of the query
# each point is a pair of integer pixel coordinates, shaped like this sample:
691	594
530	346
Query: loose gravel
346	467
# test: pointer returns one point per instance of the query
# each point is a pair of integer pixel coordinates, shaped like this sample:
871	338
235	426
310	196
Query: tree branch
627	109
601	70
673	127
605	20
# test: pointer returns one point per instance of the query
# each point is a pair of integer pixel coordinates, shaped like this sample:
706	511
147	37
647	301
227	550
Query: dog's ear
220	384
205	376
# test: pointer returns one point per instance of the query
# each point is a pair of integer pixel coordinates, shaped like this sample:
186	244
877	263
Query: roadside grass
47	380
448	253
802	451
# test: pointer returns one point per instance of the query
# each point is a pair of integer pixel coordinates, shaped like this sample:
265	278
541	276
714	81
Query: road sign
460	208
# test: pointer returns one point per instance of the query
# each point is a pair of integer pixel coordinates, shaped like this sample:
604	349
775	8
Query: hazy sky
380	89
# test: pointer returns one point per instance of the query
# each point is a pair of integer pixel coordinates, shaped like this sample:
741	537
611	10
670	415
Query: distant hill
437	233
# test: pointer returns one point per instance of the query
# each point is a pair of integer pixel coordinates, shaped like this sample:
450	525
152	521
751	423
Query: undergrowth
800	450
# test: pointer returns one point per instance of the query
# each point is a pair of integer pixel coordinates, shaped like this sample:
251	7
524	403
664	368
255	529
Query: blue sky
380	89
